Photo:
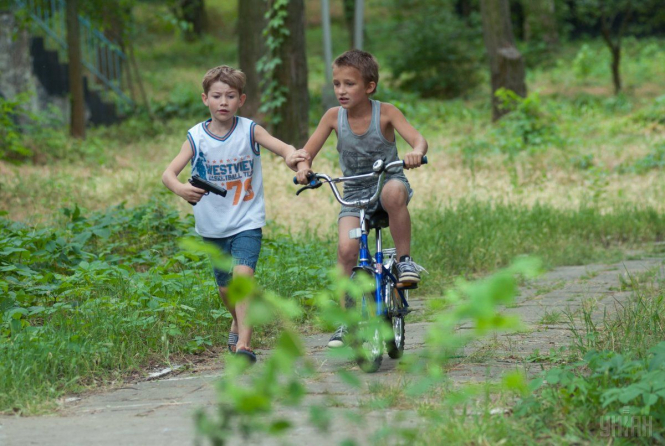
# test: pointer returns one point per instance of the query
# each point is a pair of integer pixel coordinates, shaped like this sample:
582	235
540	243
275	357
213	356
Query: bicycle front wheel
367	339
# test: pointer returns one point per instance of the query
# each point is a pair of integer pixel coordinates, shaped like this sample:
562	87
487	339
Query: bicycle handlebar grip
311	177
423	160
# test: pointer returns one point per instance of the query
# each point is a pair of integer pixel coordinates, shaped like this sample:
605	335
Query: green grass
612	373
471	238
550	318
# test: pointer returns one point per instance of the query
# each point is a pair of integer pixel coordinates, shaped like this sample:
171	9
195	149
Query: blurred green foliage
437	53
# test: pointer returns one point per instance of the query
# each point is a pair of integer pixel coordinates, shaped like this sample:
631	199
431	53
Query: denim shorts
244	247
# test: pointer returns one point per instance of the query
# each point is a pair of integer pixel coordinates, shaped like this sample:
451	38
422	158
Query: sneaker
407	271
337	339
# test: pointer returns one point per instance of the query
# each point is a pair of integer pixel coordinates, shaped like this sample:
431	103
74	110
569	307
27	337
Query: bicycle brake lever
312	185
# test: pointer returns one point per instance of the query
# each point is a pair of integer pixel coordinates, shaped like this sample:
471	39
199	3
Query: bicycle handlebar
378	170
423	161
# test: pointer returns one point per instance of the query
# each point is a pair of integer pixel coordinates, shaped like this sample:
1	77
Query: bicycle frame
378	269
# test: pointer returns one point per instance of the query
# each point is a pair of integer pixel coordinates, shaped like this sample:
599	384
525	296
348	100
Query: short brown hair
363	62
230	76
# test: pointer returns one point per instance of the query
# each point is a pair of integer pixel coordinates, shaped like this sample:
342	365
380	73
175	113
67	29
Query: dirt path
160	412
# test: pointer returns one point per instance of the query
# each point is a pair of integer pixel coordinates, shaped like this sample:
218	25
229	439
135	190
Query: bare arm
291	156
410	135
170	176
313	146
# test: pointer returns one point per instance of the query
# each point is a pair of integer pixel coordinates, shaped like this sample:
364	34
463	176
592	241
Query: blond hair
363	62
230	76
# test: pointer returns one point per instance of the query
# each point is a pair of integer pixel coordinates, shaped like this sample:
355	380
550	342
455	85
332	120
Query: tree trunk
76	97
616	71
292	74
251	47
614	44
193	12
506	62
350	19
540	22
464	8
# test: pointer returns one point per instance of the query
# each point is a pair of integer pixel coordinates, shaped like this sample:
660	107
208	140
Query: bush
584	62
24	134
437	53
183	102
11	141
653	114
527	126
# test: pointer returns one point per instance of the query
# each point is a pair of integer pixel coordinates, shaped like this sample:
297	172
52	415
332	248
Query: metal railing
102	57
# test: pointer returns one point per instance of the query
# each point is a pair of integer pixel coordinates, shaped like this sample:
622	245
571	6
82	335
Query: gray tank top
357	153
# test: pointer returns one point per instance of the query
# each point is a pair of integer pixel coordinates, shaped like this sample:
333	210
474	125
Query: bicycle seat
378	219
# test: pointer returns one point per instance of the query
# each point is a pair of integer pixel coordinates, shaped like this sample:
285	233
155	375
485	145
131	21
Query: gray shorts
363	194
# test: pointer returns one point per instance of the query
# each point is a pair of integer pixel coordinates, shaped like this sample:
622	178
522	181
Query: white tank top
233	162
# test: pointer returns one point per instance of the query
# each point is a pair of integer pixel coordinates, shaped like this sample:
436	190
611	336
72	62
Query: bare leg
393	199
244	330
239	311
347	248
223	294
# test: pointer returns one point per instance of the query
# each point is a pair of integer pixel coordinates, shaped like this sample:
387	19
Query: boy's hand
301	176
413	159
296	157
190	193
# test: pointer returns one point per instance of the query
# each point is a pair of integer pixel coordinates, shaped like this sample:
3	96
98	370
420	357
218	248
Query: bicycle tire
367	342
394	318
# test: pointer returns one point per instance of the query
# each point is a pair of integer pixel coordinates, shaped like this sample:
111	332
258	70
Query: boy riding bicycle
366	132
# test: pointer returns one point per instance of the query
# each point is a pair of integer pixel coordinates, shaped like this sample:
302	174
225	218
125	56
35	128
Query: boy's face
350	88
223	101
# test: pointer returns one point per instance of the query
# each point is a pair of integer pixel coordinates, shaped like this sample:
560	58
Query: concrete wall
16	73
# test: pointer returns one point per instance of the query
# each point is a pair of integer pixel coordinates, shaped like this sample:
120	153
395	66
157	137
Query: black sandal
233	340
248	353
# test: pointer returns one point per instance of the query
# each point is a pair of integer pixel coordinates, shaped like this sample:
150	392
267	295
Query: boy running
225	150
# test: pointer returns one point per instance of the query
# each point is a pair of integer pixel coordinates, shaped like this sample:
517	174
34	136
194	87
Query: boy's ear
243	97
204	98
371	87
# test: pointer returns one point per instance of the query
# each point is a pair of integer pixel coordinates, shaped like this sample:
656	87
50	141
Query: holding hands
296	157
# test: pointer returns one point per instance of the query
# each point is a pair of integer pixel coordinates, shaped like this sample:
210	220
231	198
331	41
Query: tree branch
605	29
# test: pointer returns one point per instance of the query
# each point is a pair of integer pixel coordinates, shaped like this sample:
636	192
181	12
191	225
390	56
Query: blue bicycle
388	303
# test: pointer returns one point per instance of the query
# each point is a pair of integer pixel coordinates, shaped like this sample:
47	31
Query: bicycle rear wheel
395	319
